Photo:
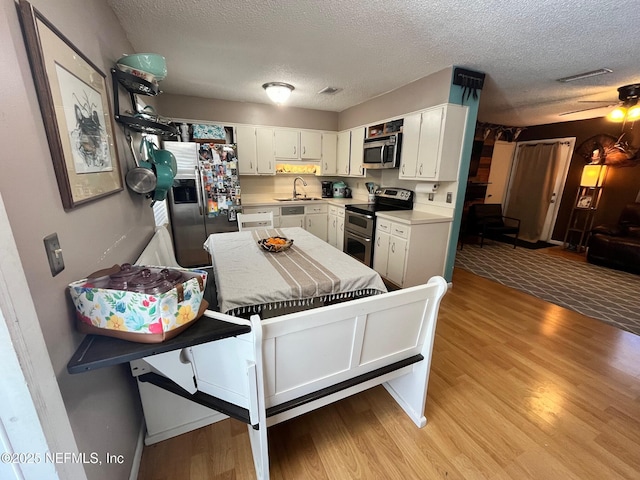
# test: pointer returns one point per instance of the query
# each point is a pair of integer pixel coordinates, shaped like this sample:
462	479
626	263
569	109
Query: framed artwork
75	106
584	201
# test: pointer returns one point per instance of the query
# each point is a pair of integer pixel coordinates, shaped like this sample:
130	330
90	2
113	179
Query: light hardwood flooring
519	389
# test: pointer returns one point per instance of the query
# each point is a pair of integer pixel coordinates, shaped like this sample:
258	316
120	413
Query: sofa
618	246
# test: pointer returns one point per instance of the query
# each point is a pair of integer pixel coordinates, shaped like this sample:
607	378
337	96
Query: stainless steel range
360	221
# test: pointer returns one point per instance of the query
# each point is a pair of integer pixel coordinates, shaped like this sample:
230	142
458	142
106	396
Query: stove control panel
395	193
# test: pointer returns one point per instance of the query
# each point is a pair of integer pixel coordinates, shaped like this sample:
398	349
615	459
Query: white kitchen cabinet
432	143
310	145
266	162
316	220
265	209
287	144
328	164
409	255
343	152
335	227
292	221
356	153
247	150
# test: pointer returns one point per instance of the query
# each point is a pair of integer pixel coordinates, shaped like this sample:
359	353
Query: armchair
487	220
617	246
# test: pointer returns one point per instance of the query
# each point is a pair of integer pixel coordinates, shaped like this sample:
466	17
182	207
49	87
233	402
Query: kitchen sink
299	199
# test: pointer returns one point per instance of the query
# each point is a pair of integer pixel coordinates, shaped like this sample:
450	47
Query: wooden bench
293	364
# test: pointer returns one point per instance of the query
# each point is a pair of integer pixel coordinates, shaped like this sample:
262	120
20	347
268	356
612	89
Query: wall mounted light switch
54	253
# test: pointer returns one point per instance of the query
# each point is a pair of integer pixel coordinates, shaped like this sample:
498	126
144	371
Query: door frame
561	178
33	418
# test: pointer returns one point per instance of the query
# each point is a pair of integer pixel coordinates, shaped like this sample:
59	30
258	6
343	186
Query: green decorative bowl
148	62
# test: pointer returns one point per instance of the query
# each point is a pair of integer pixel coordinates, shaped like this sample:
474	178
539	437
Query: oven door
359	247
359	223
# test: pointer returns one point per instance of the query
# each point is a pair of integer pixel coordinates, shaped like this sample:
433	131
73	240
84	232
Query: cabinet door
356	155
247	150
410	146
332	231
310	145
430	136
381	253
397	253
317	224
340	232
287	144
292	221
329	154
344	149
266	163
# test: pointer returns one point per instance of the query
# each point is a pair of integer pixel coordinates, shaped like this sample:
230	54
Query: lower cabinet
312	218
409	255
315	220
335	227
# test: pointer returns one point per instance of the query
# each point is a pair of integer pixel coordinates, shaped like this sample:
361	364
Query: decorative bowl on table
275	244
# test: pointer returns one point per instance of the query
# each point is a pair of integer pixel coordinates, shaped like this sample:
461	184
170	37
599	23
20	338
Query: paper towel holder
424	187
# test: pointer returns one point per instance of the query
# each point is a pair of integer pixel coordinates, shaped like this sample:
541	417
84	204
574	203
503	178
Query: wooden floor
519	389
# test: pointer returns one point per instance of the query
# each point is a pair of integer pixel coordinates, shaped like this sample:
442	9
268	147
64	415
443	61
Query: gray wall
210	109
103	406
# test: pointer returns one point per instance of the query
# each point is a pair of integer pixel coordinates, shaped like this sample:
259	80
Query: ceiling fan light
618	114
633	113
278	92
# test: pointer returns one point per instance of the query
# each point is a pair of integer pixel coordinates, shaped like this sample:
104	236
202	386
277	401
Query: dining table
249	279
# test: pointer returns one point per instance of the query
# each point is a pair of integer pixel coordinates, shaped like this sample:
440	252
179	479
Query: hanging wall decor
76	111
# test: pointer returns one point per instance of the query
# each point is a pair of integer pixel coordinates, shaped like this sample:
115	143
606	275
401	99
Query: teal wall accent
456	97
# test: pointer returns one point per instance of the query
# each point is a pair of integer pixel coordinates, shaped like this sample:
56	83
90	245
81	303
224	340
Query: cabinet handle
403	168
378	242
269	164
326	166
393	247
420	172
250	165
304	150
334	223
294	150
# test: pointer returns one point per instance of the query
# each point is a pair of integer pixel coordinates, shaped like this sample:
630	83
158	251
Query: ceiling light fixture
629	110
580	76
278	92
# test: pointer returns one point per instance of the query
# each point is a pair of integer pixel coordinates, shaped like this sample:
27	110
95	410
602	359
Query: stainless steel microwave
382	151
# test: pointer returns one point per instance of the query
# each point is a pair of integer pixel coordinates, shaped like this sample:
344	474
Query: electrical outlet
431	197
54	253
449	197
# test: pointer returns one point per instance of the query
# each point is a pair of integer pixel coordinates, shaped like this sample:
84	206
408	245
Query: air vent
330	90
580	76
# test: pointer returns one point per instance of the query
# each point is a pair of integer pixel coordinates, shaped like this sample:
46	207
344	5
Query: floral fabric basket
209	132
137	316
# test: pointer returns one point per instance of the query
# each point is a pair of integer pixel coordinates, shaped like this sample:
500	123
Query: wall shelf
137	86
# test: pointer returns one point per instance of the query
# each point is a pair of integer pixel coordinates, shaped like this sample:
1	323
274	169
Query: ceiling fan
627	108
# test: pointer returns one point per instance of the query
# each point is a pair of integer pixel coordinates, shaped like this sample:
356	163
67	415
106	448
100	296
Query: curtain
532	188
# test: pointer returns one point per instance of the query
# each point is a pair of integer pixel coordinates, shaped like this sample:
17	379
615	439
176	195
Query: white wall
102	406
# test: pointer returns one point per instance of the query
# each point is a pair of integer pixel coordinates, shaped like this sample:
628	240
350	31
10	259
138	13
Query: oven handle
370	217
349	232
382	154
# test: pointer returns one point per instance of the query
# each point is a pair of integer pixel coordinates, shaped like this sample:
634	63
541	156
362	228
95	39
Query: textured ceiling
228	49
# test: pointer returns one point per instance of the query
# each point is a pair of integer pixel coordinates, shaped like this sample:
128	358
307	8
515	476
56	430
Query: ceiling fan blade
598	101
587	109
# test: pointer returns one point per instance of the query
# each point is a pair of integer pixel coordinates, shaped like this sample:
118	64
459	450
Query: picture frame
76	110
584	201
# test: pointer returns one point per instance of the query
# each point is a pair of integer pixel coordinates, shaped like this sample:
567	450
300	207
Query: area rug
597	292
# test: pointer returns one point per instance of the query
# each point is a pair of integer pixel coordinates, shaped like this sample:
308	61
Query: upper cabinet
329	165
351	153
310	145
432	143
287	144
255	150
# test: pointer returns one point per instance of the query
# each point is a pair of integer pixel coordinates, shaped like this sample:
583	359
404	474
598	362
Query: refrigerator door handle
199	192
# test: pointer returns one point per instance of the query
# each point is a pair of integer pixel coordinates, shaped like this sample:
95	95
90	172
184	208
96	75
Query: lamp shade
278	92
593	175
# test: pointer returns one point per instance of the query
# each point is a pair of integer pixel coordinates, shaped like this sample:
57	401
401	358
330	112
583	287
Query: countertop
253	200
413	217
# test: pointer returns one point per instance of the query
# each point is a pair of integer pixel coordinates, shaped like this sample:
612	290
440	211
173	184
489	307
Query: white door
501	162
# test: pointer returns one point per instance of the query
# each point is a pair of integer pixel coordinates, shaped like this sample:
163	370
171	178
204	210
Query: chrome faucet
295	193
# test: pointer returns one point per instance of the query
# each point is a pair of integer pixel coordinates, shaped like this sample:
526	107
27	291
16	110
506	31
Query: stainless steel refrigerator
204	198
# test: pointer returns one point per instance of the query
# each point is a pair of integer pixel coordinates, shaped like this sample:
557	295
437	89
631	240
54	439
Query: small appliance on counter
327	189
339	190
